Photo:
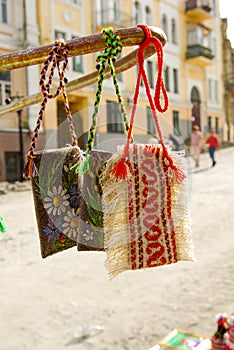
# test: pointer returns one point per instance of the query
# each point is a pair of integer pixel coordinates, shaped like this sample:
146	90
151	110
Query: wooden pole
121	65
78	46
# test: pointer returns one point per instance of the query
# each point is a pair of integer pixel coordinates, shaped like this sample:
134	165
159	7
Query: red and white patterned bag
146	215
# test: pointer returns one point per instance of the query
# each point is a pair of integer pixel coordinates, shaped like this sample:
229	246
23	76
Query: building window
216	91
216	125
59	35
3	9
175	78
173	31
150	73
5	86
99	12
150	122
167	78
165	25
115	13
137	12
148	17
77	64
209	89
114	119
209	123
12	165
76	2
176	122
137	72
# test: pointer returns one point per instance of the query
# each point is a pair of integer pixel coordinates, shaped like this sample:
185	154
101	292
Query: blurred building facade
228	82
193	70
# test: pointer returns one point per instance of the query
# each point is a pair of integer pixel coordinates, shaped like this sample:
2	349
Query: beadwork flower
71	224
52	231
56	201
88	235
75	195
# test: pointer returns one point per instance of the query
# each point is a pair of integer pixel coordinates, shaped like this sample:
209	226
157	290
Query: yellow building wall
67	16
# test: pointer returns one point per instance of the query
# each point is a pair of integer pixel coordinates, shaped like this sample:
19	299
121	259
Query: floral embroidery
62	239
88	236
71	224
52	230
75	195
56	201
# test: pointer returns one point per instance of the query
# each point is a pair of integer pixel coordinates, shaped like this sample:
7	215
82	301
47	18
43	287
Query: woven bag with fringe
145	205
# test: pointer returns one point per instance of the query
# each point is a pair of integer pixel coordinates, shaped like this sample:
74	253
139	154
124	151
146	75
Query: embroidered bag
146	218
56	183
90	235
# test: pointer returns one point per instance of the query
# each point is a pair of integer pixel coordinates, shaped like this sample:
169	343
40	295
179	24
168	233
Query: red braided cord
155	103
120	169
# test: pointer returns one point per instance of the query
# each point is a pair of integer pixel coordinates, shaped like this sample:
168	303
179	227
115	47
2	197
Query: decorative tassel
180	176
120	170
30	168
2	225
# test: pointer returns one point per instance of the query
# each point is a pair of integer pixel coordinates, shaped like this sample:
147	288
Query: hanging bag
146	217
90	236
56	183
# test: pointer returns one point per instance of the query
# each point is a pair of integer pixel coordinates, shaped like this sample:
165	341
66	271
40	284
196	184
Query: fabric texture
57	194
90	236
146	217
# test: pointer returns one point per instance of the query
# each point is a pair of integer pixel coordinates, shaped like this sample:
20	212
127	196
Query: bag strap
120	170
58	55
113	49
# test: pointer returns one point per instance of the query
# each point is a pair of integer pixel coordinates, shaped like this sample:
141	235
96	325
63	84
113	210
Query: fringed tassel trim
30	168
122	170
114	201
179	175
181	215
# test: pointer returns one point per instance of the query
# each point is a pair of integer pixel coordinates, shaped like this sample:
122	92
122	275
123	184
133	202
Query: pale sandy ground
44	302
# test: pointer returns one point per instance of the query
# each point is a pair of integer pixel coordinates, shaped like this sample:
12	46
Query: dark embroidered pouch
57	195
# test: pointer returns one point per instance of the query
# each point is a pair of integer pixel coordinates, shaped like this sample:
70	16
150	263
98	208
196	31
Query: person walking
213	143
196	144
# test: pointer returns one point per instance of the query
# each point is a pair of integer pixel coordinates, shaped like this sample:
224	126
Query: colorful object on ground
223	338
183	340
2	225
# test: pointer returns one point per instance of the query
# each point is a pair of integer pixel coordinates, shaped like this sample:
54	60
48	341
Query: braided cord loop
121	168
57	60
113	50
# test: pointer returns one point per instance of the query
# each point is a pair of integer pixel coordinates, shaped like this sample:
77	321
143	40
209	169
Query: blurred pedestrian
213	143
196	144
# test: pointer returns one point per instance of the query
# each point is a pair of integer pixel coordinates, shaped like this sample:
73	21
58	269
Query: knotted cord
58	55
120	170
113	50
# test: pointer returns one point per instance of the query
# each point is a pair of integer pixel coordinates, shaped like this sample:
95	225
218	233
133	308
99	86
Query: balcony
198	10
199	45
113	18
199	55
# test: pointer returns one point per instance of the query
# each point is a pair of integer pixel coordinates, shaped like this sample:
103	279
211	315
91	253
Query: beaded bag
90	236
56	183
